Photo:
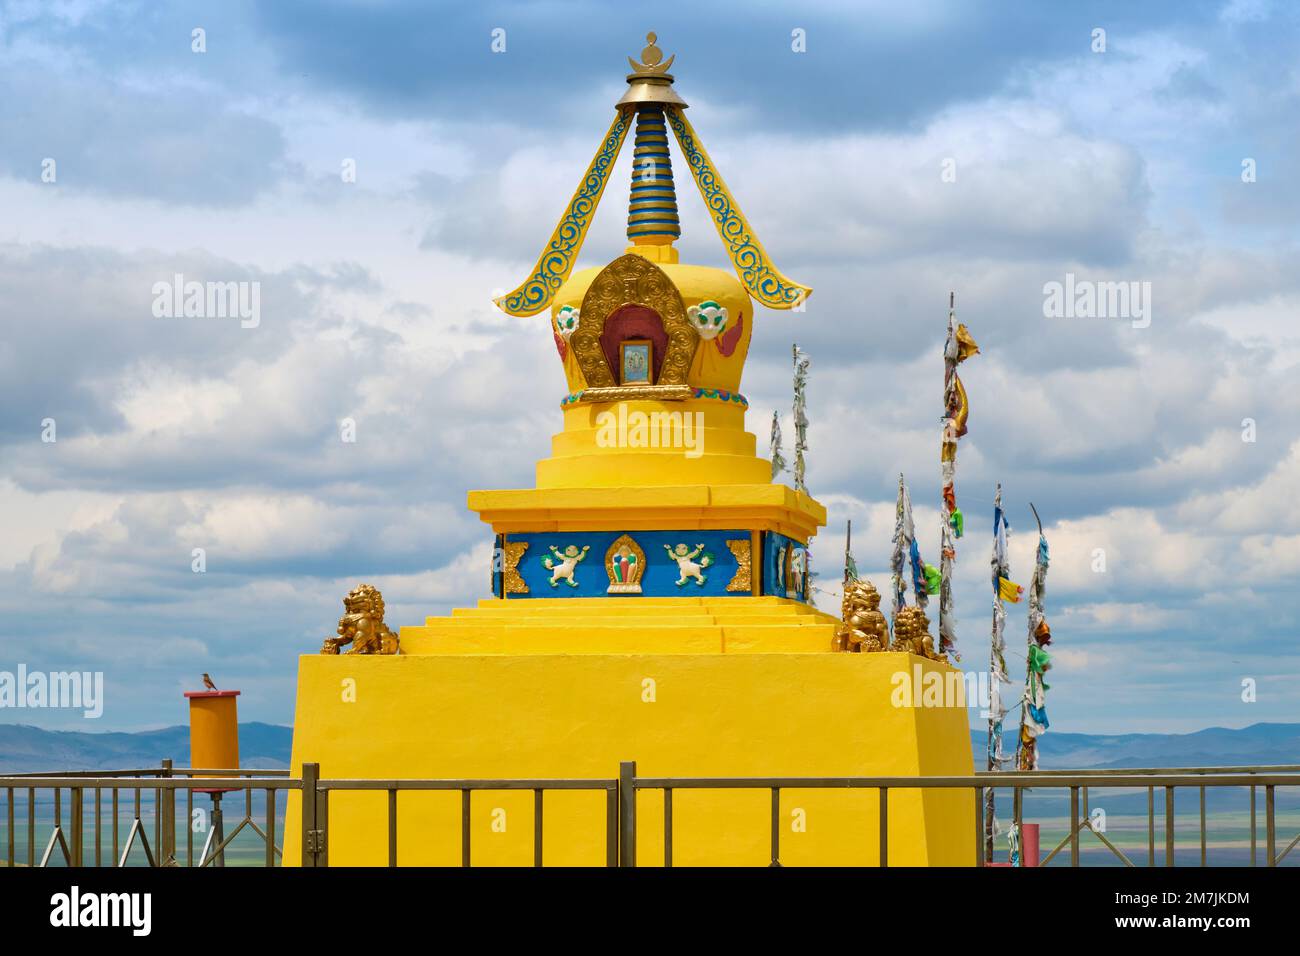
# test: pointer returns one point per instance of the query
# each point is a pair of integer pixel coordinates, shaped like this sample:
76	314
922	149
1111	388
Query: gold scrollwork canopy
634	280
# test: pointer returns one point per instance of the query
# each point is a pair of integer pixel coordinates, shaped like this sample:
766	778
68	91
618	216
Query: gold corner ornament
561	252
912	634
748	257
862	628
512	582
742	579
362	625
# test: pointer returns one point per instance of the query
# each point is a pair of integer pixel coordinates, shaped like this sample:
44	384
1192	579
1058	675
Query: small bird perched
207	682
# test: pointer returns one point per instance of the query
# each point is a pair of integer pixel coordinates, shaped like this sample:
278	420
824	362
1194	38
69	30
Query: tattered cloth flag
997	643
996	758
850	566
801	363
1033	704
1009	590
774	452
932	579
903	532
920	584
958	347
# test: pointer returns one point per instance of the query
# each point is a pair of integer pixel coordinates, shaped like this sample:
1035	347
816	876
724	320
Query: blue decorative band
722	395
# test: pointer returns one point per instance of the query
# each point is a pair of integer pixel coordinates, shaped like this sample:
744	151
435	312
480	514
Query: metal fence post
310	775
78	814
611	826
1169	826
884	827
1270	828
167	846
776	827
627	813
322	823
1151	826
1074	826
1254	829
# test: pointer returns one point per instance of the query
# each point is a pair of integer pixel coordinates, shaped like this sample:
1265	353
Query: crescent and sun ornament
651	91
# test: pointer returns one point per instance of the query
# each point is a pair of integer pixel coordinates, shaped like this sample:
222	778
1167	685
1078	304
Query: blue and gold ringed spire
652	219
652	203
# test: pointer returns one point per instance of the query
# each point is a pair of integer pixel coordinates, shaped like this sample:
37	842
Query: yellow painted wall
554	715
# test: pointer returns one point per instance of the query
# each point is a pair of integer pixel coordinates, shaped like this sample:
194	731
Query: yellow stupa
651	592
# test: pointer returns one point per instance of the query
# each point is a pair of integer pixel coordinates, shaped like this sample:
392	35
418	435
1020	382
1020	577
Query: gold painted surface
511	580
638	393
633	280
362	625
742	580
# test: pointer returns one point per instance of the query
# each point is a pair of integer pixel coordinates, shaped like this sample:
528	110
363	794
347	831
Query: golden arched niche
633	280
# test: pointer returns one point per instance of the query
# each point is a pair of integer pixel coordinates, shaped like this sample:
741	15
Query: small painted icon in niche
562	564
798	576
687	566
637	355
781	554
624	563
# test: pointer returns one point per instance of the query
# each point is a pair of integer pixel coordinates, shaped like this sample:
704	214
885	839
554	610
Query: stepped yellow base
733	687
671	625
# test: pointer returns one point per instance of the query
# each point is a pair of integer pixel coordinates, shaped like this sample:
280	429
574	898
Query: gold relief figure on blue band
558	257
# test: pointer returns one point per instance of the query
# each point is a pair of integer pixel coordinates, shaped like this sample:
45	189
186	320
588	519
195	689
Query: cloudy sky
1174	448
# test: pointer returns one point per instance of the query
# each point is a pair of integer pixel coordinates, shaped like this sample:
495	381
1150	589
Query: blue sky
1122	165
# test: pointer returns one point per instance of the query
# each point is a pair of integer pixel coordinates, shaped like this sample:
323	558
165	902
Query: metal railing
315	825
70	841
162	783
1082	822
1077	782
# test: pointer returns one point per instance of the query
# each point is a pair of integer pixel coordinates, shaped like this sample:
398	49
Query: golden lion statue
863	628
912	634
363	625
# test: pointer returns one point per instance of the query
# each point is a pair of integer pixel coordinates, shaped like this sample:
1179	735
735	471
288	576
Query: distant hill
26	748
1256	745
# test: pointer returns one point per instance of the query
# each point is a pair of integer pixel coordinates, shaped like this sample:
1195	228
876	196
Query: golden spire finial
650	80
651	55
651	61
